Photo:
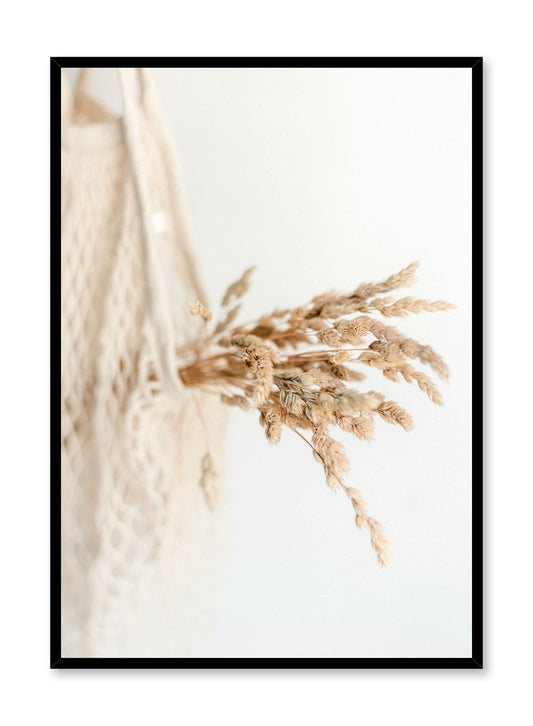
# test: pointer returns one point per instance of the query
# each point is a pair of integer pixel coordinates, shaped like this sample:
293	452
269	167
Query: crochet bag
137	534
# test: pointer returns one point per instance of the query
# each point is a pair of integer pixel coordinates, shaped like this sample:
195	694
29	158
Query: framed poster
263	354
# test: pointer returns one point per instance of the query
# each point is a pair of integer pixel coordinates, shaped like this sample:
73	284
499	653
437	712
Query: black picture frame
476	660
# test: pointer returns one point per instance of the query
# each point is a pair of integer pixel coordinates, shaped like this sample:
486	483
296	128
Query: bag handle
132	87
135	85
146	96
84	106
80	88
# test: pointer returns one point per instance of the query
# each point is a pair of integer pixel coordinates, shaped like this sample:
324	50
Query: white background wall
325	178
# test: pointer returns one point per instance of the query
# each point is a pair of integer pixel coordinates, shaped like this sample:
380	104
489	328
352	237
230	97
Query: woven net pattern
137	535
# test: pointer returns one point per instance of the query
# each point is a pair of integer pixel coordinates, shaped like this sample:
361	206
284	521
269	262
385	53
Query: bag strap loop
137	93
132	87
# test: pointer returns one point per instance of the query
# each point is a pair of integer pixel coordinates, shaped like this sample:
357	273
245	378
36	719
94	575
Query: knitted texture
137	535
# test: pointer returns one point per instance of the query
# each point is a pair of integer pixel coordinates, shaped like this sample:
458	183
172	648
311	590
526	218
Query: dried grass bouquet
298	368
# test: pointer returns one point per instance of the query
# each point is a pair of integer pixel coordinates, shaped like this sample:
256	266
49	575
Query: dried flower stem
248	366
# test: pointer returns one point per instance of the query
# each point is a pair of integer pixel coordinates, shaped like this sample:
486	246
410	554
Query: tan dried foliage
199	309
311	387
208	481
238	288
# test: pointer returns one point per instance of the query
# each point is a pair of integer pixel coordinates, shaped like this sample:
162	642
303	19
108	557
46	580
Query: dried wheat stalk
296	367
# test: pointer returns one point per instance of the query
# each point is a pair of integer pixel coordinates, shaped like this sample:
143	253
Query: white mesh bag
137	534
